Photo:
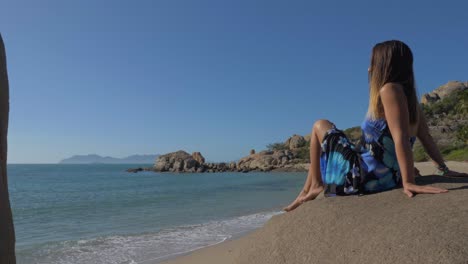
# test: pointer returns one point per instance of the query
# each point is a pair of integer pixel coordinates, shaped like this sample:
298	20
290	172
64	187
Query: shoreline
229	238
262	245
214	253
176	256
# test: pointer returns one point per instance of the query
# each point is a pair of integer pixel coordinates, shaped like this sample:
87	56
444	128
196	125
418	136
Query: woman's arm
397	116
431	148
427	141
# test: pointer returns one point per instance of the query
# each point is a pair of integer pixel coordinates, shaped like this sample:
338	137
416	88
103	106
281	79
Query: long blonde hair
391	61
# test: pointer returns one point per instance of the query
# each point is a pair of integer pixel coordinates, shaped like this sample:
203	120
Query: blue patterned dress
371	167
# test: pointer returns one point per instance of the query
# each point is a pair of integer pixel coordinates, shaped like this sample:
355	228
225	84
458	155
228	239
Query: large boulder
294	142
175	161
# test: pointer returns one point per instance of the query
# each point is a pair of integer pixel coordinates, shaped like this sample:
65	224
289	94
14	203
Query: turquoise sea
102	214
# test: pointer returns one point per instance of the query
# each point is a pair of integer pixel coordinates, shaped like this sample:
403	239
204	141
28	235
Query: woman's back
379	156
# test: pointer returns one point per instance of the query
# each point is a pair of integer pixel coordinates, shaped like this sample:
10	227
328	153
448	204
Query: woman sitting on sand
384	160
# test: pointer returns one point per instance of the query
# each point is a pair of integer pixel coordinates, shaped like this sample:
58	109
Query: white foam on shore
144	248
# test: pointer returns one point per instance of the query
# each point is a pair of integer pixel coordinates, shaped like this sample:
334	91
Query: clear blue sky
221	77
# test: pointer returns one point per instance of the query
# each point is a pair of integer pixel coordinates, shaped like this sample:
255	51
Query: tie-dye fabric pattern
339	164
350	169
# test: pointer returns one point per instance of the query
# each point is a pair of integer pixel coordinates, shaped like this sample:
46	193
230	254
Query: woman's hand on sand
411	189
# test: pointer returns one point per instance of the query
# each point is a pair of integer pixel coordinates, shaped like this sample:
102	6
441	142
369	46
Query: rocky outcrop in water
267	160
179	161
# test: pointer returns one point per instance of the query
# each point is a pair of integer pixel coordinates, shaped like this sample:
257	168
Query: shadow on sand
431	179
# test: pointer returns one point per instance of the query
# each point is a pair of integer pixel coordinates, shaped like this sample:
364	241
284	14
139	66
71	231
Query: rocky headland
445	108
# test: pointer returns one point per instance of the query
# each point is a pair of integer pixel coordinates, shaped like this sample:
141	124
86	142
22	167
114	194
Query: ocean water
102	214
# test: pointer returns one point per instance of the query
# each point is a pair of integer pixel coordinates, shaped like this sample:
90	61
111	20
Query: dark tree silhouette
7	233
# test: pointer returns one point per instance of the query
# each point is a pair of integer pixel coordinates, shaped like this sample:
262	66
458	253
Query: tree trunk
7	233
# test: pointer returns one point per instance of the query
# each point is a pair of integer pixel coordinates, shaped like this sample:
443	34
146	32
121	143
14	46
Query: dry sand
381	228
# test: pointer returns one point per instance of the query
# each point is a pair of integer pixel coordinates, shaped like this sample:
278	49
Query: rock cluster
267	160
181	161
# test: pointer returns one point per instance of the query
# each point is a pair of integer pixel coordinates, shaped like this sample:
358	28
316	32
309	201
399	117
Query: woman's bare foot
312	194
296	202
304	197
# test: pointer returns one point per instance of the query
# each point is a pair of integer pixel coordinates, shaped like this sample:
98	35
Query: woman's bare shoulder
392	88
392	95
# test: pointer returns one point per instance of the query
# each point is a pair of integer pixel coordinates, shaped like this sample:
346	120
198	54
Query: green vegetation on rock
304	152
462	134
453	104
276	146
447	117
460	154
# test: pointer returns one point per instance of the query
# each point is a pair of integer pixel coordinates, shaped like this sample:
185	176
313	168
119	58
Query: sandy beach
386	227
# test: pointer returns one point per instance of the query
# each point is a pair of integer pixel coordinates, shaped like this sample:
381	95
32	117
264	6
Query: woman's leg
313	185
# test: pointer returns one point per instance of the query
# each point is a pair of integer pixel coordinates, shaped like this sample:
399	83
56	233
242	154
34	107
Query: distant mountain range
93	159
